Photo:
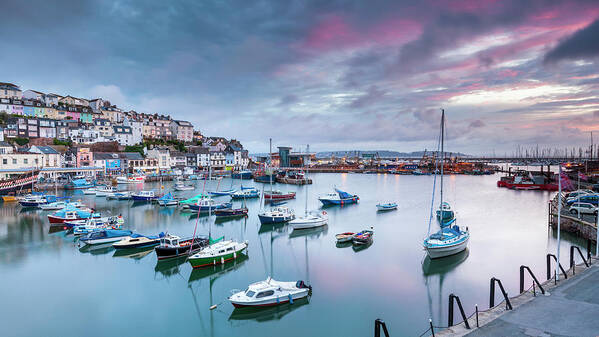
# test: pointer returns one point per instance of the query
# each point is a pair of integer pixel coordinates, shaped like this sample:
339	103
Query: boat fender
290	298
222	260
234	255
278	302
214	262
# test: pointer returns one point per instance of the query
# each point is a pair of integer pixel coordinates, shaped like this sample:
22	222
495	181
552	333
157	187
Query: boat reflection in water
100	249
170	267
359	248
439	268
311	232
217	270
267	313
133	253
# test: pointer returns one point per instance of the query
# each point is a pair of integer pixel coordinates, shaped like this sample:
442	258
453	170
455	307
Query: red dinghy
278	195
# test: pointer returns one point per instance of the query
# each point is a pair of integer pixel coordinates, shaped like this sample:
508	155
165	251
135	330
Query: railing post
492	293
548	266
521	279
377	328
450	312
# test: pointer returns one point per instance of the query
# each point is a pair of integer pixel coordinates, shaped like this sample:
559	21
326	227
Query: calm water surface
48	287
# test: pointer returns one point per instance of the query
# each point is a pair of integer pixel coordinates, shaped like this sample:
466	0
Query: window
14	161
249	293
265	293
25	160
4	161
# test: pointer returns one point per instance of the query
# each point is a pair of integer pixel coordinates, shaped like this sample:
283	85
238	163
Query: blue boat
449	240
78	184
104	236
389	206
144	196
242	175
445	214
207	204
245	194
167	200
338	198
222	193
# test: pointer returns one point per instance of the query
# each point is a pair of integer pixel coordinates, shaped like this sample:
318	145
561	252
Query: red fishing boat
278	195
529	181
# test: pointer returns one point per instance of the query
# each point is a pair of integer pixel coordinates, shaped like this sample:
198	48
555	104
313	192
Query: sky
338	75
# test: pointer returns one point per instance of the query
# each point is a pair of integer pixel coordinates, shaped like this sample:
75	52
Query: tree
21	141
135	148
62	142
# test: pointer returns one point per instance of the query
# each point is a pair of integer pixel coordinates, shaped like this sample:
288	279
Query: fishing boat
246	193
445	213
69	214
167	200
124	195
242	175
91	191
217	253
344	237
363	238
82	227
133	179
103	236
208	204
138	241
450	239
173	246
105	190
310	220
231	212
270	293
388	206
78	184
182	187
58	205
144	196
264	177
276	215
338	198
419	172
529	181
34	200
278	195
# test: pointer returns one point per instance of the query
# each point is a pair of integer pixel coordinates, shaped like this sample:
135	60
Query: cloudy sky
336	74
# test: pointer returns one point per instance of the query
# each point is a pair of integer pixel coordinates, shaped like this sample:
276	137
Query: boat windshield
175	242
265	293
249	293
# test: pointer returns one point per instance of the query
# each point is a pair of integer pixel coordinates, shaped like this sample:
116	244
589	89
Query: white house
162	155
182	130
34	94
136	129
217	160
123	135
9	90
84	136
51	156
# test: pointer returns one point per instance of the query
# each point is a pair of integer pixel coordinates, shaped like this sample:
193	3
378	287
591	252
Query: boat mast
306	169
270	168
442	158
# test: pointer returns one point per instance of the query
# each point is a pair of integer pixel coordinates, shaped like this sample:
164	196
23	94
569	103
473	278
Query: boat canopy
342	194
168	196
213	241
193	200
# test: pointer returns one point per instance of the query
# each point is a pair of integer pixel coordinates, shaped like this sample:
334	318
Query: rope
425	331
430	219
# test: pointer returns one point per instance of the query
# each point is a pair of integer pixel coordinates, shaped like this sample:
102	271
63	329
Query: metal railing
453	297
508	304
522	268
549	256
378	324
572	264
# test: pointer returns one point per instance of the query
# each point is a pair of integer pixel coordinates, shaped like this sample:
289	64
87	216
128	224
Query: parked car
583	208
576	193
588	198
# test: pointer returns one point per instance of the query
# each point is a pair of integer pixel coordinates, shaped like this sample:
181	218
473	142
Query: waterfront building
51	157
162	156
84	156
21	160
178	159
136	129
216	144
183	130
217	160
63	127
9	90
202	155
111	163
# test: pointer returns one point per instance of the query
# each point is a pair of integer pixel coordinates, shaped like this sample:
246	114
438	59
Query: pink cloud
508	73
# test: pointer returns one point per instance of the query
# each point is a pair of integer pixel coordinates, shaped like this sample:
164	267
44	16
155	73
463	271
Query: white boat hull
272	300
439	252
100	241
301	223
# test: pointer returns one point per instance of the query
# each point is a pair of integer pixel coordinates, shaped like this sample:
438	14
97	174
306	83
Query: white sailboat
310	219
450	239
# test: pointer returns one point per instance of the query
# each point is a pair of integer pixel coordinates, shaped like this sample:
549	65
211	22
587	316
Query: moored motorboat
207	205
246	193
144	196
90	191
34	200
182	187
81	227
276	215
363	237
133	179
278	195
105	190
388	206
270	293
173	246
310	220
69	214
119	195
138	241
242	175
338	198
344	237
103	236
217	253
221	193
58	205
78	184
167	200
231	212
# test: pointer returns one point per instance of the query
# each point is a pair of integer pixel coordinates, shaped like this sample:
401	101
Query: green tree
21	141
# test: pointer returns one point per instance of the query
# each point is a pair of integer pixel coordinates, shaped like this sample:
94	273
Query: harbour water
49	287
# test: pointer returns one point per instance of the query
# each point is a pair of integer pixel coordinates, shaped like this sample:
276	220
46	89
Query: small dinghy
363	238
139	241
58	205
183	187
104	191
389	206
90	191
218	253
167	200
270	293
124	195
344	237
231	212
278	195
173	246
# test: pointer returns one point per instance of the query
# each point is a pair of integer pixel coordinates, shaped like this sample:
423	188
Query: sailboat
311	219
275	214
450	239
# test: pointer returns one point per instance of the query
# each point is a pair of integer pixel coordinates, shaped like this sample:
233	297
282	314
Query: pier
568	308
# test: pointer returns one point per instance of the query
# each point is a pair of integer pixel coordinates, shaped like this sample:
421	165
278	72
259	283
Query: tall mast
270	167
306	169
442	154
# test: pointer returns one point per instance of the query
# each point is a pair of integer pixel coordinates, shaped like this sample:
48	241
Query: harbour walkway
569	308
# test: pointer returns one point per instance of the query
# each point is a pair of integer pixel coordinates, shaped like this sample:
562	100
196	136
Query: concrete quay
568	308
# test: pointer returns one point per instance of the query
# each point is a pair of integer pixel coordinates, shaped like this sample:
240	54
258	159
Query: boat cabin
169	241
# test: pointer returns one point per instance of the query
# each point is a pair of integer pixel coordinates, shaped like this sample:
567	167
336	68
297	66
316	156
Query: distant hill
381	153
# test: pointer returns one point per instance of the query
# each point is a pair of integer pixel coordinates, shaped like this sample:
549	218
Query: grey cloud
580	45
372	96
